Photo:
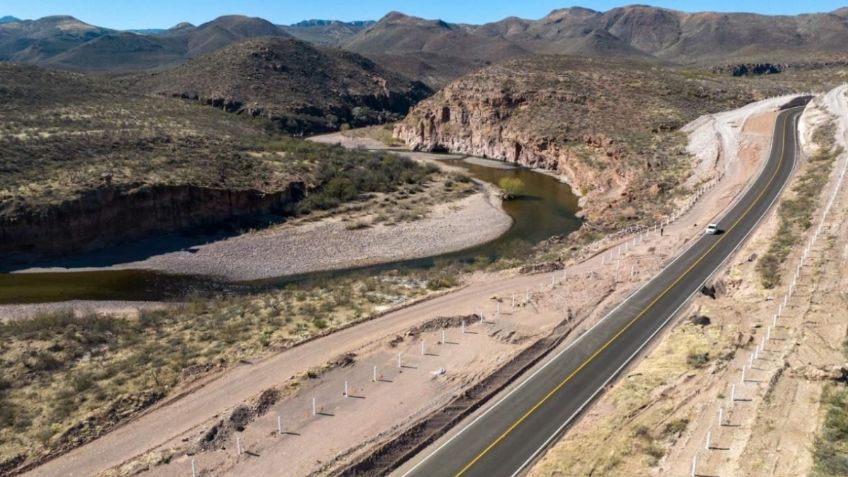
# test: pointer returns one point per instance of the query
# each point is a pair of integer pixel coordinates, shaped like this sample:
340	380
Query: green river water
547	208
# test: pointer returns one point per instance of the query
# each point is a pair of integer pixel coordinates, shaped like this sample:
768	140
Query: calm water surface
547	208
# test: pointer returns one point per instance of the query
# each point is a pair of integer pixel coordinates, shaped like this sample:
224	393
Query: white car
711	229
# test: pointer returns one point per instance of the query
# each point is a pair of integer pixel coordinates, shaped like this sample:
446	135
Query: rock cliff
609	127
110	215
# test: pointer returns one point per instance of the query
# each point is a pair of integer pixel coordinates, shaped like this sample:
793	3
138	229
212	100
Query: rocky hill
325	32
300	87
87	163
66	42
631	31
610	127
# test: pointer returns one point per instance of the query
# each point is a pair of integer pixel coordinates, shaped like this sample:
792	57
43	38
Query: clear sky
126	14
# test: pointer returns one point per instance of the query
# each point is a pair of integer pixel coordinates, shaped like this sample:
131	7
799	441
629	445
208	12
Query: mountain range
444	50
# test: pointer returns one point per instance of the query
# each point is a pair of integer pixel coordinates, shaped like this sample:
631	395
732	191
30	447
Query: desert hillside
609	127
301	88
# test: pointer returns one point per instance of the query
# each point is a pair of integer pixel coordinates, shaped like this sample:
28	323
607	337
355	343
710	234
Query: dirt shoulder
728	390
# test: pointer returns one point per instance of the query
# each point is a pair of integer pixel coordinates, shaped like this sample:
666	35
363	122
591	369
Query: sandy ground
330	244
768	429
593	285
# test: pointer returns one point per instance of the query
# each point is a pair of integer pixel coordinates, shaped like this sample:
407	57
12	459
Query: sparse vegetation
67	379
830	450
796	211
697	359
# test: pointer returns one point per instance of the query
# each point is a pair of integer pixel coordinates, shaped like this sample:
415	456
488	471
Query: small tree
512	187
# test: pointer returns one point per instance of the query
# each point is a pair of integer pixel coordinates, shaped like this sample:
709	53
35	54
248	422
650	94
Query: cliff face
610	128
474	119
110	215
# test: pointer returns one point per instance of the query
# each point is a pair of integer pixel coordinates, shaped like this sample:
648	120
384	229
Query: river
547	208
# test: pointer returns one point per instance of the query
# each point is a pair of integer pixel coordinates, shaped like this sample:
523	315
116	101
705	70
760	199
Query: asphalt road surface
508	436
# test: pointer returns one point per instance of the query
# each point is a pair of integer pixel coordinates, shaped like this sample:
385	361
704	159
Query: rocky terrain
436	51
608	127
299	87
325	32
87	164
65	42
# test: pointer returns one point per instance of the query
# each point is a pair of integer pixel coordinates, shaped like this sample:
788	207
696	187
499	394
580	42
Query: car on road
712	229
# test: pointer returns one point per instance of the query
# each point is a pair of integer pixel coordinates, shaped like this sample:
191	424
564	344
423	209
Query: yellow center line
637	317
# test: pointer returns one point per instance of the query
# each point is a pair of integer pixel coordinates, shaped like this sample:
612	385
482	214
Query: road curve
510	434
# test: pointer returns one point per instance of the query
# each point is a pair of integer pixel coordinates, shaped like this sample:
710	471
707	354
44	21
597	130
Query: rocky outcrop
110	214
479	121
609	128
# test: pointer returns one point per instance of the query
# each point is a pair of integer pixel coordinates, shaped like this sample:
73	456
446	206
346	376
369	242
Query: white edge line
585	333
665	323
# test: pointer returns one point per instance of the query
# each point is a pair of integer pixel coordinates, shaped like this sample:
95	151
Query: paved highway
508	436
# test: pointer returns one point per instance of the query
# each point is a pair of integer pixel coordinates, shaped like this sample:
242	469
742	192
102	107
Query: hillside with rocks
299	87
88	163
65	42
608	127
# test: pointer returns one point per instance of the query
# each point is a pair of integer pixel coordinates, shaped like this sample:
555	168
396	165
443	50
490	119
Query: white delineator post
732	392
374	374
513	301
345	390
314	407
279	425
399	363
443	336
497	308
193	468
238	445
720	416
694	464
422	347
707	443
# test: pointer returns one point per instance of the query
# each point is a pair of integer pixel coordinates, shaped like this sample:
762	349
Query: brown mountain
640	32
609	126
397	33
219	33
69	43
325	32
301	87
33	41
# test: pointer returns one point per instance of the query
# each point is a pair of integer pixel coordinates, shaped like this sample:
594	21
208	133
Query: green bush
512	187
830	450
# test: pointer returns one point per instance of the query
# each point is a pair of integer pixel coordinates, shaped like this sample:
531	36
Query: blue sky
125	14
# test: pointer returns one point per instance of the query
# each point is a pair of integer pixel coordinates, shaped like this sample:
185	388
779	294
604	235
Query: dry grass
630	438
67	379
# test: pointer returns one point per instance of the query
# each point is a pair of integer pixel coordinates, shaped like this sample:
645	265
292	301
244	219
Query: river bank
330	243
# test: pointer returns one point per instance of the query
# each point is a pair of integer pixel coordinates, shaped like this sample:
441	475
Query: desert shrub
442	282
512	187
830	450
675	427
697	360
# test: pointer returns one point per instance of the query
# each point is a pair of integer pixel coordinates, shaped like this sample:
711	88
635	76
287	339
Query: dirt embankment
735	388
114	214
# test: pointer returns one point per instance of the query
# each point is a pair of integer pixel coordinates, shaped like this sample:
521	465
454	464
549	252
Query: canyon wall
611	129
110	215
